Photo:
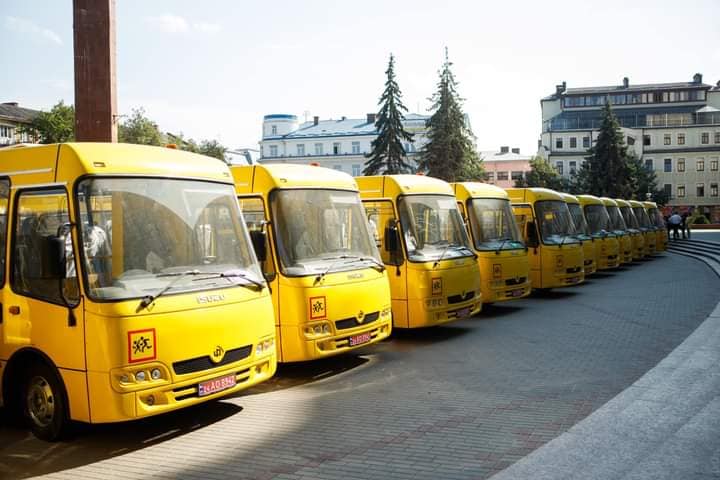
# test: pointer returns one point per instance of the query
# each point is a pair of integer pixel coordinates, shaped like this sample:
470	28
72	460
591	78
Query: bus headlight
140	376
155	374
265	347
317	329
386	311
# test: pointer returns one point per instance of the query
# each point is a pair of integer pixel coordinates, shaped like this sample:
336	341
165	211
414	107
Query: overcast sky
212	69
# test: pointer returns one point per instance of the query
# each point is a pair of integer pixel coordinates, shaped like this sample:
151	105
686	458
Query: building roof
341	127
494	156
645	87
11	111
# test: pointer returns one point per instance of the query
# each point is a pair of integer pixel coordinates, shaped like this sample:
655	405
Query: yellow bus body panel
637	237
589	255
649	234
349	303
505	275
607	248
551	266
661	236
424	296
625	242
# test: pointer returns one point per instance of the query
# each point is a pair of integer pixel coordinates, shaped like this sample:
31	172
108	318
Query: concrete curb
664	426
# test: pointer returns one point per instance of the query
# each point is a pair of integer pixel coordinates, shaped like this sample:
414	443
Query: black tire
43	403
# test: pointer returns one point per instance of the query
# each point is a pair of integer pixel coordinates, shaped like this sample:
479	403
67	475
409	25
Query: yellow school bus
620	229
556	255
129	286
636	235
607	246
582	233
433	272
647	228
502	255
329	287
656	218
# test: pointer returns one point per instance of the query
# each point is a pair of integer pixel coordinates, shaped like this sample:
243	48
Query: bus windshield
141	236
656	218
629	218
555	223
581	227
319	230
493	225
433	228
642	217
616	219
598	220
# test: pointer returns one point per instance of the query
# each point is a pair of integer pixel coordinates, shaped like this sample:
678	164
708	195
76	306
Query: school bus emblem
318	308
142	345
559	261
436	285
497	270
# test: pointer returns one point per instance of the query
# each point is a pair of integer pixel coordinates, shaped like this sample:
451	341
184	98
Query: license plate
216	385
573	280
359	339
463	312
516	293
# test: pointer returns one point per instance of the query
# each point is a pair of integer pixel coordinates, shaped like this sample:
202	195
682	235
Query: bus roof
647	204
287	175
65	162
589	200
635	203
609	202
525	195
622	203
569	198
466	190
391	186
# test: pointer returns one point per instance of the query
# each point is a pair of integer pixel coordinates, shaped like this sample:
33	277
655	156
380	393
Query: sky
212	69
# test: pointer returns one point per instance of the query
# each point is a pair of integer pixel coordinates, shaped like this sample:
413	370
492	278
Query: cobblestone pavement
461	401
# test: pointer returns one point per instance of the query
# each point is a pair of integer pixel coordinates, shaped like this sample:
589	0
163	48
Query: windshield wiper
379	266
504	241
442	255
233	274
147	300
338	260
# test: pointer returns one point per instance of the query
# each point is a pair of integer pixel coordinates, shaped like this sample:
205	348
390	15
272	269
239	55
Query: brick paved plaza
462	401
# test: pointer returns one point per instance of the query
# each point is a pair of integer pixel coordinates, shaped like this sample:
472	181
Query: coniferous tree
607	172
450	153
388	155
645	182
542	174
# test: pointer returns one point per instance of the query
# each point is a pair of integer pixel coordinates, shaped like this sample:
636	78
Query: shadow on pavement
421	336
499	310
554	294
22	455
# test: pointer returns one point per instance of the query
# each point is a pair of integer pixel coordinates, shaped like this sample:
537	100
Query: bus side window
4	195
41	214
253	212
380	215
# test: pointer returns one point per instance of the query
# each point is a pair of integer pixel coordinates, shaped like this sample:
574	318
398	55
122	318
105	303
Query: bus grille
515	281
353	322
574	270
205	363
459	298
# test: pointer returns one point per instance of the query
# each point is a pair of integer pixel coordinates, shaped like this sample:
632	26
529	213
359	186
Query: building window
573	142
646	140
586	142
700	190
649	164
681	191
559	143
668	165
713	189
6	132
573	167
273	150
502	175
681	139
667	188
491	176
516	175
338	167
714	165
700	165
357	170
705	138
681	165
630	140
301	149
356	147
273	130
318	149
667	139
336	148
559	167
717	137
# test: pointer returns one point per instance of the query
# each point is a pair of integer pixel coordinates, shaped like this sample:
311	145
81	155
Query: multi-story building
340	144
12	116
503	168
674	128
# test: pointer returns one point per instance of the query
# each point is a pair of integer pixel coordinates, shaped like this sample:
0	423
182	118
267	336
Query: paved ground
463	401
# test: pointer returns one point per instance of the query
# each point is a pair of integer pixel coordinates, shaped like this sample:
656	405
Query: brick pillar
95	95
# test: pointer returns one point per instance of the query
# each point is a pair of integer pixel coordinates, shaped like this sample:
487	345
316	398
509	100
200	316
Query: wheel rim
40	402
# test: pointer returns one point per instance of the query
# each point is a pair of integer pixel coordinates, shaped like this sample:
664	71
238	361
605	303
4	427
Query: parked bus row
138	280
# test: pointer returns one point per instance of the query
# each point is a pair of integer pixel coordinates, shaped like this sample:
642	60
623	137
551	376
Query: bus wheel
44	403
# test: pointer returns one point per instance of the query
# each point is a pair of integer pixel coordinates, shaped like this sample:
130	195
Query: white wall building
12	117
339	144
674	128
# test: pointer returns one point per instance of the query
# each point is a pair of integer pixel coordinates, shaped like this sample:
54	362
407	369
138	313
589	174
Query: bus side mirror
259	242
52	257
532	236
392	239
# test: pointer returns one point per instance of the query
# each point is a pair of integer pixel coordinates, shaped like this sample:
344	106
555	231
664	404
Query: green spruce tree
450	153
607	172
542	174
644	182
388	155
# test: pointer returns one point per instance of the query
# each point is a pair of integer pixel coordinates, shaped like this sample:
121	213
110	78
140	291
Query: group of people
678	223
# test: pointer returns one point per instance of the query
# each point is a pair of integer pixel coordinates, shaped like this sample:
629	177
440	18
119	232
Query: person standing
675	221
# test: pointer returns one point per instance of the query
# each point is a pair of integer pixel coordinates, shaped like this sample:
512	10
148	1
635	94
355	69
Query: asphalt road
461	401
